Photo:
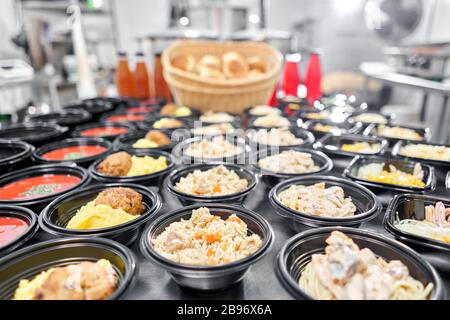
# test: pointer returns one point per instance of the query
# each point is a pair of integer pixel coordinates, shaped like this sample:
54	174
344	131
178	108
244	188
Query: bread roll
234	65
184	62
210	61
257	63
208	72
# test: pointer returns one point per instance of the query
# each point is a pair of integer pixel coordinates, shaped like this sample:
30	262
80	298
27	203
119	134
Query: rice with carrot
206	240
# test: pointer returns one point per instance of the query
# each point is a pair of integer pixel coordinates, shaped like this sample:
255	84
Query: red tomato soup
73	153
11	229
126	117
104	131
37	187
141	109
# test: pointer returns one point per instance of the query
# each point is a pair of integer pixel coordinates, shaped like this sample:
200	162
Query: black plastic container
14	155
30	261
68	118
208	277
298	250
84	162
406	166
126	141
306	136
388	118
84	130
235	198
23	214
55	217
236	131
371	130
153	179
347	127
250	115
437	163
96	106
272	178
235	122
293	124
331	144
36	134
39	202
412	206
239	158
367	204
151	119
120	117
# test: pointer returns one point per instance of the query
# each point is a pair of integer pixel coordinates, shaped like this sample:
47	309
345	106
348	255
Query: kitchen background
341	30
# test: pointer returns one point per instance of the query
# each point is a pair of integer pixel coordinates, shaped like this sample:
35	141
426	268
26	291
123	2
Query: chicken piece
418	172
116	165
158	137
126	199
439	213
168	110
83	281
257	63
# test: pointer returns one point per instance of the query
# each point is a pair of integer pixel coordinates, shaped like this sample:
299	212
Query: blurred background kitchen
392	54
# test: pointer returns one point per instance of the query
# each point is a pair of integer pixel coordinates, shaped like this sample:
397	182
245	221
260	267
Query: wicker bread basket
230	95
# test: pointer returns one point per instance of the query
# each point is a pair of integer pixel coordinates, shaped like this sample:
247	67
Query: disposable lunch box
271	178
298	250
153	179
68	118
14	155
351	172
35	171
36	134
125	142
55	217
38	154
367	204
371	130
31	261
23	214
210	278
307	137
332	144
239	158
81	131
235	198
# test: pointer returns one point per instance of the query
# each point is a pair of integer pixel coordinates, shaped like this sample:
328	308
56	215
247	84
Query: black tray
371	130
36	134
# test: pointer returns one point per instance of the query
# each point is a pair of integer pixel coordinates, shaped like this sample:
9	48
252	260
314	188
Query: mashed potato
92	216
146	165
145	144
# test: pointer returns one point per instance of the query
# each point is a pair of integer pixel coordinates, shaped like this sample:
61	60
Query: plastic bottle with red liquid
313	78
291	76
124	77
141	78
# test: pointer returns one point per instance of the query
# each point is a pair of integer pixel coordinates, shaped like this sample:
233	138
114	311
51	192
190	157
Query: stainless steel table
260	282
384	73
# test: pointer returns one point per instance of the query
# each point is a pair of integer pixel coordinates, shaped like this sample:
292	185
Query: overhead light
184	21
253	18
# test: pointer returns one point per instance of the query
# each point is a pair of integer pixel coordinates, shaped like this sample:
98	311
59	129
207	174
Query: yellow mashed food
92	216
145	144
183	112
146	165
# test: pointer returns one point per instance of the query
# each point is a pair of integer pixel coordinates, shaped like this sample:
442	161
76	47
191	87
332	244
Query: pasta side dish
346	272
